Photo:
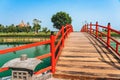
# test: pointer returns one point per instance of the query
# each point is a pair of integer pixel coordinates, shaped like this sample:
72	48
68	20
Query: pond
31	53
113	44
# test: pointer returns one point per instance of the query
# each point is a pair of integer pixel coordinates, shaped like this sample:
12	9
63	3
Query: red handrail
99	34
44	56
53	48
5	51
4	69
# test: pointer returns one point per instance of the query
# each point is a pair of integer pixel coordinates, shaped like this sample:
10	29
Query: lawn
23	34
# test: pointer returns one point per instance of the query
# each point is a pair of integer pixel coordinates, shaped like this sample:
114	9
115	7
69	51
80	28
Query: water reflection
37	51
14	52
31	52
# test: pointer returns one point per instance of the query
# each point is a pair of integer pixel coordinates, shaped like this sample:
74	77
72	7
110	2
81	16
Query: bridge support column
108	35
62	36
97	30
66	30
90	27
87	28
52	50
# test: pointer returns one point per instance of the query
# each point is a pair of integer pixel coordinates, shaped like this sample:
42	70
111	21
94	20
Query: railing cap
96	22
52	32
109	23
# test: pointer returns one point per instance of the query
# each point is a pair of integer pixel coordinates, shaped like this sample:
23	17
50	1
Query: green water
113	44
31	52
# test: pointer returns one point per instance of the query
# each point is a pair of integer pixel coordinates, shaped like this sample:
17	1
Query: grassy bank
115	35
21	40
23	37
23	34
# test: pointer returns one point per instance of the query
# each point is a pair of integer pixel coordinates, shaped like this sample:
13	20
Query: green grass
23	37
23	34
115	34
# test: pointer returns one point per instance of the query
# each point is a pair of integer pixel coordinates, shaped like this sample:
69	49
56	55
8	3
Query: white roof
30	63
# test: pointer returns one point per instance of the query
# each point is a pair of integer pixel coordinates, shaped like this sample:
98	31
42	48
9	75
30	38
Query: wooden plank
84	56
77	63
75	69
89	59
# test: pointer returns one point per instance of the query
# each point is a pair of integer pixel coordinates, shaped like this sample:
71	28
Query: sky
81	11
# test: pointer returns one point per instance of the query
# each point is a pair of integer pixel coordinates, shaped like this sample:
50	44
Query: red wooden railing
96	31
54	49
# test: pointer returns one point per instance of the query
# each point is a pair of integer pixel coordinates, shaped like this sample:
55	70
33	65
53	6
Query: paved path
83	57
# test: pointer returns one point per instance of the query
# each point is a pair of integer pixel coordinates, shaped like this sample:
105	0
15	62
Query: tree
11	28
36	25
28	27
1	28
45	30
61	19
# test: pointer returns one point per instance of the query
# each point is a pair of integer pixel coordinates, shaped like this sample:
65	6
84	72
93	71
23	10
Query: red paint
44	56
91	28
58	44
4	69
58	54
84	28
24	47
64	34
52	47
96	29
58	34
117	48
87	28
108	35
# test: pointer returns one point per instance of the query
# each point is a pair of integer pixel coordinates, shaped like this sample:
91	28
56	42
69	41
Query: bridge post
52	50
66	30
72	28
87	27
84	28
117	48
62	36
108	35
96	29
90	27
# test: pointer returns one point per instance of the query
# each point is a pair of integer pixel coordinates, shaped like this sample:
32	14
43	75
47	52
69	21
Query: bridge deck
83	57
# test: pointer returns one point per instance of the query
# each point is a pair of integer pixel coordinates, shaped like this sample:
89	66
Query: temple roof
30	63
22	24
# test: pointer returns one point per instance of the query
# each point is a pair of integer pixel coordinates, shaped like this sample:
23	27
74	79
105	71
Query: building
22	24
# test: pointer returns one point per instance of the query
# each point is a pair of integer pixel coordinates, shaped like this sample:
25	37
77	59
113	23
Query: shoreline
20	40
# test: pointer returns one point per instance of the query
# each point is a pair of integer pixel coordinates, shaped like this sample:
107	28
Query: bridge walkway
84	57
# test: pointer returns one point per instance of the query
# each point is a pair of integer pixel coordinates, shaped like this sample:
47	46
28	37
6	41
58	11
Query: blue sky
81	11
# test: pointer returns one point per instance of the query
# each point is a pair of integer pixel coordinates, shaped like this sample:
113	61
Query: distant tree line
17	28
13	28
59	19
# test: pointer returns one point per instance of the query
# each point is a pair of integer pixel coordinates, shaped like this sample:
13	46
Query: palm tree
28	27
36	25
45	30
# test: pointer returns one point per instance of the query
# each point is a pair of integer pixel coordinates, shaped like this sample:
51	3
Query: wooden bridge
84	55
